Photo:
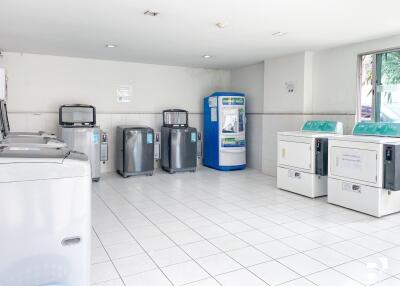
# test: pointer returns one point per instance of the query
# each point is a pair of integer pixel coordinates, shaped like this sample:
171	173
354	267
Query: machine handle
70	241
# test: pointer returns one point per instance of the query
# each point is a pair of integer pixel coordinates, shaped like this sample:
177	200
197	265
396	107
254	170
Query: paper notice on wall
124	93
214	115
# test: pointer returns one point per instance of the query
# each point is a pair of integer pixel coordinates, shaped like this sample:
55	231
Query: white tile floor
213	228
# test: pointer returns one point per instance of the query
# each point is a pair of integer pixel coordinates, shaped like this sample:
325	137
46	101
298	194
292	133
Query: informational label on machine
233	142
96	138
193	137
347	187
294	174
351	161
124	93
212	101
149	138
233	101
214	114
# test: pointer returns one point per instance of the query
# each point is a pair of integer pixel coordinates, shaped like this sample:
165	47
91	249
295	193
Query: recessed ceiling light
221	25
279	34
111	46
207	56
151	13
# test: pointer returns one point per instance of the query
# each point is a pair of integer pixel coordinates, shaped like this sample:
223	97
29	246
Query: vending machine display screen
230	120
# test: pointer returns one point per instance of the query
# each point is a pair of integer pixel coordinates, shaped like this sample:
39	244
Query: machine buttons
388	154
318	145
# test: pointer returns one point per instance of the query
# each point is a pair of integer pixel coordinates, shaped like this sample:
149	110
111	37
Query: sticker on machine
212	101
214	114
348	187
96	138
149	138
294	174
351	161
193	137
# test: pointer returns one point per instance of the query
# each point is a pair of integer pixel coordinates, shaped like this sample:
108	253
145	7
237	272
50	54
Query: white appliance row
359	171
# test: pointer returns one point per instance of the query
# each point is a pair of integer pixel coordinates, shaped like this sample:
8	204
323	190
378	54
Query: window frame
374	83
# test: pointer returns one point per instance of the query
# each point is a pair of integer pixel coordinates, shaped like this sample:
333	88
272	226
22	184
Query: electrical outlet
290	87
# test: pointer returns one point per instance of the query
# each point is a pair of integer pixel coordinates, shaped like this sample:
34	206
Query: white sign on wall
124	93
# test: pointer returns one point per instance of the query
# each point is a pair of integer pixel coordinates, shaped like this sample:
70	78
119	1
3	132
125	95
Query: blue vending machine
225	131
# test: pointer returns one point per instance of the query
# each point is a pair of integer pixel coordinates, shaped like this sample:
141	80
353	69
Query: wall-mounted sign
124	93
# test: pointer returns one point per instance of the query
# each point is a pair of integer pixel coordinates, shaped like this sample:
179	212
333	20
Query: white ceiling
185	29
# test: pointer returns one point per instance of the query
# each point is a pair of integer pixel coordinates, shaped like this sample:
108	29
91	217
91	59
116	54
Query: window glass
388	87
380	87
367	63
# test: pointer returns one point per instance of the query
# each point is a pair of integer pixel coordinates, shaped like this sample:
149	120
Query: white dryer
303	158
364	169
45	210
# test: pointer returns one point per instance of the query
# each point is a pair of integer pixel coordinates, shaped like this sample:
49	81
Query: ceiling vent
151	13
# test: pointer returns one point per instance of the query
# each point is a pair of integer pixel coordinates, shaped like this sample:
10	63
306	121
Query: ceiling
185	29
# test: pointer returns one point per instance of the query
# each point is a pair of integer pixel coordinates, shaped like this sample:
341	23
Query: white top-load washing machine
45	210
6	126
303	158
22	139
364	169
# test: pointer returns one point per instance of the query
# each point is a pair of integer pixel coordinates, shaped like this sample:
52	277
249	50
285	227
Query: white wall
326	88
250	80
335	75
282	110
39	84
278	72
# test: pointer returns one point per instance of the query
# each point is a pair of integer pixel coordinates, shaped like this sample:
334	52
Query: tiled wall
261	131
254	134
108	122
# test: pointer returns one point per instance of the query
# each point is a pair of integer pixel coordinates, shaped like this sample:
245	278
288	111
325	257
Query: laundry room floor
233	229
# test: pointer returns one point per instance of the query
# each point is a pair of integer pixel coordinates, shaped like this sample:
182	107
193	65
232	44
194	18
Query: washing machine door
138	150
183	148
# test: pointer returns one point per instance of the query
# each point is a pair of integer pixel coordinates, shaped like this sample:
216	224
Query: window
380	87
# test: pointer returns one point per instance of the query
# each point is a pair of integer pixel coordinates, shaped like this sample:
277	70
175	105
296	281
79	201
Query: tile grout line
249	245
144	250
165	235
273	259
297	234
119	275
364	234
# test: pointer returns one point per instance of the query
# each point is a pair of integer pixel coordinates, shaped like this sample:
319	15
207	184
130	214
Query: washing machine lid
40	134
32	154
32	141
18	164
135	127
367	139
306	134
